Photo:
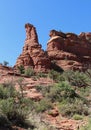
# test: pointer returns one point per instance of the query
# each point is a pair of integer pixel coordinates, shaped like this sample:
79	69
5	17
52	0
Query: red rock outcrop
32	54
67	50
70	51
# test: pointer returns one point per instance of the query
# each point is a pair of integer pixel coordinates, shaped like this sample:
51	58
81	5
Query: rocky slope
54	118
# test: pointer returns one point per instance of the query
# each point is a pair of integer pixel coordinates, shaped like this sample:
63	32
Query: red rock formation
67	50
70	51
32	54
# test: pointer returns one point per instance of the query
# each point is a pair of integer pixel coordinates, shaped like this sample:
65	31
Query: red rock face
70	51
67	50
32	54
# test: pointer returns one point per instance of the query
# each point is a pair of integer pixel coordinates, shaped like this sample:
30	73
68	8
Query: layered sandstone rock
32	54
70	51
67	50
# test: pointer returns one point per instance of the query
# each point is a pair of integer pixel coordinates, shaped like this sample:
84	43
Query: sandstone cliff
66	50
70	51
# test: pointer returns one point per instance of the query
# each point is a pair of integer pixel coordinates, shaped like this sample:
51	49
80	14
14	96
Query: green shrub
21	84
88	73
15	109
56	76
5	63
21	69
41	74
29	72
39	88
84	92
77	117
43	89
77	78
67	90
3	92
43	105
61	91
7	106
75	107
4	122
27	104
16	113
58	92
7	90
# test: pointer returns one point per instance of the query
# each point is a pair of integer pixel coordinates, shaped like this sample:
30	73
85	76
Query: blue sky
65	15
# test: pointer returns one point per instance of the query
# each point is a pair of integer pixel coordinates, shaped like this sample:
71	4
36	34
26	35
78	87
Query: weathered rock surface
67	50
70	51
32	54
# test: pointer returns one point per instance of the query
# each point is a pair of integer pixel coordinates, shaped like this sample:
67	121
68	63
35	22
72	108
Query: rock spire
32	54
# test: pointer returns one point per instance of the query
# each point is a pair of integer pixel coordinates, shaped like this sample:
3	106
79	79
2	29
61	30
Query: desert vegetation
70	92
